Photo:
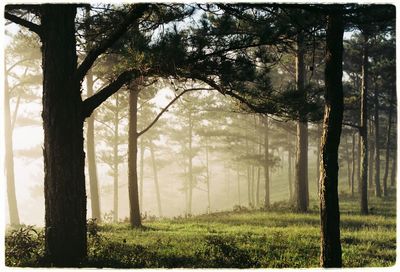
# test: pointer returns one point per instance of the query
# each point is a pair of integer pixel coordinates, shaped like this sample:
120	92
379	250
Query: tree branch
166	108
91	103
22	22
135	13
351	125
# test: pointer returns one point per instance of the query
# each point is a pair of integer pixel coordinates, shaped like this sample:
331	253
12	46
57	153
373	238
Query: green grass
277	239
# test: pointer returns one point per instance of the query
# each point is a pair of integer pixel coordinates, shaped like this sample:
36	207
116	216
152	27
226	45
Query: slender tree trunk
364	130
393	173
91	156
371	158
318	154
331	252
9	159
116	158
388	141
238	184
359	163
290	175
378	191
141	174
208	178
348	161
267	161
155	172
64	159
190	170
353	166
301	179
134	212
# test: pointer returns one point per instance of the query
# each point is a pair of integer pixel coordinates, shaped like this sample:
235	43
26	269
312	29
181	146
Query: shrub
24	247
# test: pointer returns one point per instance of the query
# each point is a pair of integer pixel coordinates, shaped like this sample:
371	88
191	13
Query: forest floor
275	238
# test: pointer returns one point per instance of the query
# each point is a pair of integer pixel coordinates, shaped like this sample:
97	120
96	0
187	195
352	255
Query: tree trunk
141	174
135	218
394	167
371	158
190	170
319	154
348	162
353	166
331	252
208	178
364	130
301	178
116	159
64	159
9	159
290	175
378	191
266	166
156	184
91	156
388	138
238	184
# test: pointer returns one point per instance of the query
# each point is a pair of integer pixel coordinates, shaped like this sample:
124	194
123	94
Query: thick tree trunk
388	140
378	191
156	184
9	159
301	175
364	130
91	156
331	252
64	159
135	218
116	160
266	166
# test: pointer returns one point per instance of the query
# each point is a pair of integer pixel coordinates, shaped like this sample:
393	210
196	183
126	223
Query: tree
331	252
63	115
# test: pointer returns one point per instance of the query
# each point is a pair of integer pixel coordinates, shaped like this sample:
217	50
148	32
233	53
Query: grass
275	238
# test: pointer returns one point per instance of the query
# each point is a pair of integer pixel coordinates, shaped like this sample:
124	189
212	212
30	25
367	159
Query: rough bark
377	177
364	130
156	184
9	160
319	154
91	156
388	140
266	166
134	212
301	165
64	159
331	253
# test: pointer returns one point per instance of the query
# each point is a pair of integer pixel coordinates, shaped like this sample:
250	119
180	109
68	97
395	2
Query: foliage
24	246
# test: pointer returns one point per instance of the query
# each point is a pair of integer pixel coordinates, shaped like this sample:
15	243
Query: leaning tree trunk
266	164
301	178
331	252
9	160
134	211
91	156
388	141
64	159
364	130
378	191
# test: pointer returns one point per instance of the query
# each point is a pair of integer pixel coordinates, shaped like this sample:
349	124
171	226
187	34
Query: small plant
24	246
